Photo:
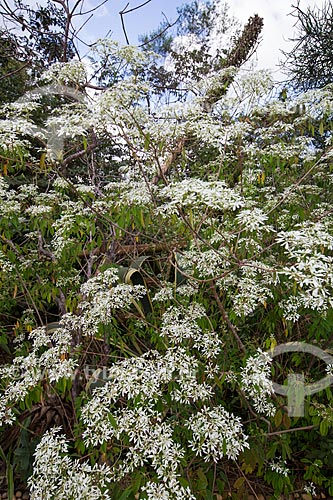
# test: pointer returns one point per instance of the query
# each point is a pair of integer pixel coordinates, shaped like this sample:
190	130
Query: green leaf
126	493
239	483
202	480
10	480
113	421
278	418
323	427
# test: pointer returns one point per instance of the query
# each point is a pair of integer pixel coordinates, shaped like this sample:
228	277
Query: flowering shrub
145	274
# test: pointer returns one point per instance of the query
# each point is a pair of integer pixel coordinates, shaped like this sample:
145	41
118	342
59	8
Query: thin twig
300	180
121	13
277	433
81	153
226	318
248	482
124	11
7	75
160	33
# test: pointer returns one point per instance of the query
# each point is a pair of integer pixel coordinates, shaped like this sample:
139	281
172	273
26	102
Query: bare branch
124	11
226	319
155	37
11	73
170	160
123	26
80	154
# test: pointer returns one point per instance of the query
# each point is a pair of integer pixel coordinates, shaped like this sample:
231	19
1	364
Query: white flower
179	325
38	210
66	73
26	372
250	288
256	382
310	489
5	264
57	477
145	377
167	489
279	466
216	433
291	307
165	293
196	193
61	183
253	219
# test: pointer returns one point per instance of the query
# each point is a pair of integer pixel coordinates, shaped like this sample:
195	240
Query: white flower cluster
146	377
187	289
179	324
256	84
10	204
102	295
165	293
250	288
38	210
63	228
208	263
57	477
196	193
70	73
26	372
310	489
5	265
291	307
167	490
279	466
126	193
312	269
253	219
111	106
216	433
60	183
112	50
11	131
306	238
150	441
256	383
316	103
209	131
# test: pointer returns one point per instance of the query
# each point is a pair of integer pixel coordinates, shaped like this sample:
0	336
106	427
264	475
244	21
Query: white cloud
278	27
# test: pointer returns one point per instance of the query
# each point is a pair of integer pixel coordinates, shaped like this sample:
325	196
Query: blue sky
278	23
137	22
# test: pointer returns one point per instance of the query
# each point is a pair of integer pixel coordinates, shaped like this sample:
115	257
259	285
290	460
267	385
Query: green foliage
35	40
145	272
309	63
190	48
13	70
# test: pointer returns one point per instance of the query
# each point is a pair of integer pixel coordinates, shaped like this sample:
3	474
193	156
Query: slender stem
277	433
226	318
248	482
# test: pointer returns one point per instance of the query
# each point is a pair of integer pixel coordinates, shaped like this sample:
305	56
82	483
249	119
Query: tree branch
226	318
80	154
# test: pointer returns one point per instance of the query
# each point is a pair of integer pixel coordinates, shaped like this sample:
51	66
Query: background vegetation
166	219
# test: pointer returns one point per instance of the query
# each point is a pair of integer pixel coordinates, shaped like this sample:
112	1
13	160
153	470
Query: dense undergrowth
146	271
